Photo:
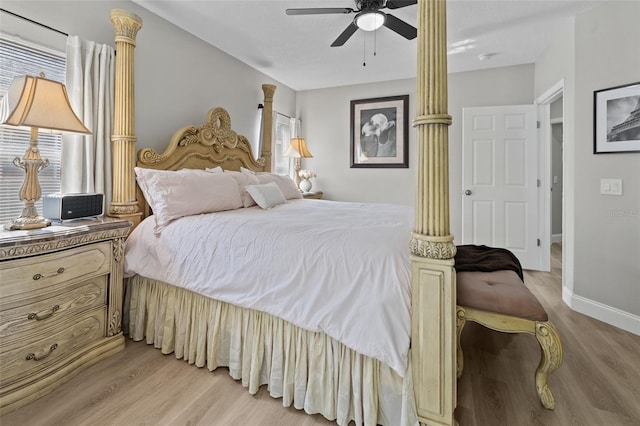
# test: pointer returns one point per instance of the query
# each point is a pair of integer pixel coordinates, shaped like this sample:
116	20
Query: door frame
544	171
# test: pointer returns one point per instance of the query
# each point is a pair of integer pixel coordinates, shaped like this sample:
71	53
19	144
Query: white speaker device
71	206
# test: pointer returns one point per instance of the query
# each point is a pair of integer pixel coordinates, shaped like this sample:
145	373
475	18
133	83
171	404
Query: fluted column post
267	124
123	200
432	247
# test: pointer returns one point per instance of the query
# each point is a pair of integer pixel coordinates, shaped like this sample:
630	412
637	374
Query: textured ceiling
295	50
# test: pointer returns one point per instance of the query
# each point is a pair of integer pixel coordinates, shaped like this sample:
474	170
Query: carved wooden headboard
211	144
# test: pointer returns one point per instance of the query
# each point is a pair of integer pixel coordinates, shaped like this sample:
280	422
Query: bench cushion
502	292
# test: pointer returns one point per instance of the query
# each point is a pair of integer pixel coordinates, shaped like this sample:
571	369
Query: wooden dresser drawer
29	356
38	313
47	274
60	304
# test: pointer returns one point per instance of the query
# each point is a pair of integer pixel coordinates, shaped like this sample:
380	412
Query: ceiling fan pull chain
364	50
375	42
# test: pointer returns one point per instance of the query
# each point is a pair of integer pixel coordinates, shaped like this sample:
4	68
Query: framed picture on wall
616	119
380	132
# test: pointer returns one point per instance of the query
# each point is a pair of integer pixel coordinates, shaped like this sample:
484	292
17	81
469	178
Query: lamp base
30	191
29	219
297	175
35	222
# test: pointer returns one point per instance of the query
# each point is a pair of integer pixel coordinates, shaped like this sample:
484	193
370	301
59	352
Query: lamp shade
297	149
42	103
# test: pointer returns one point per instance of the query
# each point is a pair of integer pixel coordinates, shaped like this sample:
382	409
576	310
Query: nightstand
316	195
61	295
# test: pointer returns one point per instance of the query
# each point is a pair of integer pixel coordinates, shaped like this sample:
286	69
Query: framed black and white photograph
616	119
380	132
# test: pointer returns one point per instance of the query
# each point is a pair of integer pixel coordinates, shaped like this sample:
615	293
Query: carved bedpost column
432	249
267	124
123	199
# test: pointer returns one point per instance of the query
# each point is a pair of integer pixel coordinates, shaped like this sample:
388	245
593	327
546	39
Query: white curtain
275	160
258	153
86	159
294	125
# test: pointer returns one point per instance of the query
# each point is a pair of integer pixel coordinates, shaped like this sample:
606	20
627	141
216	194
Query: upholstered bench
499	300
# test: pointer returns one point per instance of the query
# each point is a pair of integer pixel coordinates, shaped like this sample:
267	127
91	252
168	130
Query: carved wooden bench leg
460	322
550	360
545	332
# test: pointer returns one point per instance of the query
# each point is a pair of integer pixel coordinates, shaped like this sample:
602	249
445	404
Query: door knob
468	192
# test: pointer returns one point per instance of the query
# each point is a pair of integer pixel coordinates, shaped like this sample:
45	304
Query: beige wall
178	77
325	116
602	232
325	124
607	227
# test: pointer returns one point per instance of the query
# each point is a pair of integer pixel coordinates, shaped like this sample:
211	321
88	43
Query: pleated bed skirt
308	370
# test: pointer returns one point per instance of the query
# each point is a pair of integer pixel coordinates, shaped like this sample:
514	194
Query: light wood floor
598	384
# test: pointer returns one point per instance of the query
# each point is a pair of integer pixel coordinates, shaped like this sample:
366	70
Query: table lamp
38	103
297	149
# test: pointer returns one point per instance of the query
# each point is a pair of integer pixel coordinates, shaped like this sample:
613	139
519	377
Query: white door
499	178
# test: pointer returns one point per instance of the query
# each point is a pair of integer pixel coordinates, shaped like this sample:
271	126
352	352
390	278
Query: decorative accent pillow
285	183
175	194
266	195
244	179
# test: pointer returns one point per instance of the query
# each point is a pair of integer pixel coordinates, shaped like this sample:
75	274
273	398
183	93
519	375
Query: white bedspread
341	268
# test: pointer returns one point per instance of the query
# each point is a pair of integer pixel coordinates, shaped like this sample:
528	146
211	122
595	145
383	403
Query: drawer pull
37	277
34	315
33	356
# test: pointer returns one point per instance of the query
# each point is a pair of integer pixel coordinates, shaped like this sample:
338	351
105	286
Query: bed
326	330
309	366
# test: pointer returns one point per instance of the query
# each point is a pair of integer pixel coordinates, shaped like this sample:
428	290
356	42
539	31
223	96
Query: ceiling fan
368	18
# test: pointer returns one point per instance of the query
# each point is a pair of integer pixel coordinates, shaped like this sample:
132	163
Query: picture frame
616	119
380	132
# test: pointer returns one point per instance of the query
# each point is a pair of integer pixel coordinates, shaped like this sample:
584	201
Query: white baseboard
612	316
556	238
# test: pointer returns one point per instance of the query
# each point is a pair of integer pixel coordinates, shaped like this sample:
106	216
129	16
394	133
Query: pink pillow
175	194
287	186
244	179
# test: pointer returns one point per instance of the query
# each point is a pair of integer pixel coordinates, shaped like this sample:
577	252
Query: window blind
19	59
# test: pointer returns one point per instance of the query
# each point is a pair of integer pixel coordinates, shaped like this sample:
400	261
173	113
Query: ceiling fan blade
318	10
397	4
346	34
398	25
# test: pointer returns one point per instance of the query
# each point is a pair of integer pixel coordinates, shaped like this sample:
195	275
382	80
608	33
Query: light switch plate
611	186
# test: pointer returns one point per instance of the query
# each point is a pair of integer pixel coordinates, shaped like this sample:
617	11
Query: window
284	130
19	58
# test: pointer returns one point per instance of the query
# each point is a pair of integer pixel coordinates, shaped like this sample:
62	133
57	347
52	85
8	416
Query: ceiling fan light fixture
369	21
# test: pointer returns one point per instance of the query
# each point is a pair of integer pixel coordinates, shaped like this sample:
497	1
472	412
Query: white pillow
244	179
216	169
267	195
175	194
285	183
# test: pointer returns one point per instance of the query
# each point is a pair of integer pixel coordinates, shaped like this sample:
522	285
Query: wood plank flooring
598	383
